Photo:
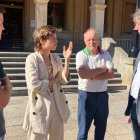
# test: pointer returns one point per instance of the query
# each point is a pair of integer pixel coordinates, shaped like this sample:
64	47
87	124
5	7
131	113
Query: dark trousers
135	126
92	106
2	138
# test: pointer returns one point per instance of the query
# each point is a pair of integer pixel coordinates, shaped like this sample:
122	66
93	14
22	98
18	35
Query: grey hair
136	15
92	29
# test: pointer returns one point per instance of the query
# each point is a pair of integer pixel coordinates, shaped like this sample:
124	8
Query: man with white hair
133	108
94	67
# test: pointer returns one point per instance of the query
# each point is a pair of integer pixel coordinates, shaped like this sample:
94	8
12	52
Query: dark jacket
131	99
2	121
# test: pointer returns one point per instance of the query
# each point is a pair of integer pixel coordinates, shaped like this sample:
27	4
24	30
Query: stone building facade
110	18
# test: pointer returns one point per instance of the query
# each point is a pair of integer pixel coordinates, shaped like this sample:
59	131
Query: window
129	9
11	3
56	13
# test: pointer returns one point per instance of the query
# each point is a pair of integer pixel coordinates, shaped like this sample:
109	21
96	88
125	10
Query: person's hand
103	67
67	52
128	119
1	85
58	76
55	79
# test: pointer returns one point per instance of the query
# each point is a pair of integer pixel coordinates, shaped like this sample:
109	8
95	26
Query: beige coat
38	107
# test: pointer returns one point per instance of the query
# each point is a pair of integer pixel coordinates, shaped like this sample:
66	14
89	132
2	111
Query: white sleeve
80	60
108	60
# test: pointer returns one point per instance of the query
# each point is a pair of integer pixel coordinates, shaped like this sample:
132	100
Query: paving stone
117	128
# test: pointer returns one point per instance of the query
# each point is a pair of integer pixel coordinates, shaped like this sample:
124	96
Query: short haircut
2	10
136	15
92	29
43	33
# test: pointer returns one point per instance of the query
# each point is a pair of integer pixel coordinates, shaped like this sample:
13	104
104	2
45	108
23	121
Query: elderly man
133	108
5	90
94	67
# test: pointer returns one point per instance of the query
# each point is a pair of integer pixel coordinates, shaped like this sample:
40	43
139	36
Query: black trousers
135	125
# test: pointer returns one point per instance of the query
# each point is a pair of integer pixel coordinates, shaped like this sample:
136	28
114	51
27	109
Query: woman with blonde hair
47	107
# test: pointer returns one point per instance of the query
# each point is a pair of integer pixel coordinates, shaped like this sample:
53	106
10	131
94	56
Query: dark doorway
12	36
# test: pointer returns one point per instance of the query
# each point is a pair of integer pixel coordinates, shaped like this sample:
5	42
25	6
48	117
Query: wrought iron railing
125	44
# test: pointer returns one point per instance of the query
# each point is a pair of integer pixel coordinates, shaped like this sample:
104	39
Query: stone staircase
14	62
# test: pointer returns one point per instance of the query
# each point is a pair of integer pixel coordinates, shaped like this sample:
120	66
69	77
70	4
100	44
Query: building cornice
41	1
98	6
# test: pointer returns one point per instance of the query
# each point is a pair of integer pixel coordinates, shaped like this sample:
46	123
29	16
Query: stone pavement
117	128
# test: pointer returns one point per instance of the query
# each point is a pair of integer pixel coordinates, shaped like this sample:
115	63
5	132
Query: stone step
12	59
14	69
16	76
72	56
19	91
20	83
21	76
115	80
22	69
23	59
25	54
14	54
69	88
17	70
117	75
73	70
74	81
71	60
74	75
22	64
14	65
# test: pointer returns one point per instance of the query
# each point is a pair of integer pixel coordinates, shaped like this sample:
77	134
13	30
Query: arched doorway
12	37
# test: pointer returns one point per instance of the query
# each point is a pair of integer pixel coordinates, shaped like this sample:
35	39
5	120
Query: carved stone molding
41	1
97	2
98	6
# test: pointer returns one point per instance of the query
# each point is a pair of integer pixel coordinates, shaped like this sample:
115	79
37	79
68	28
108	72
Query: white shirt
136	83
84	60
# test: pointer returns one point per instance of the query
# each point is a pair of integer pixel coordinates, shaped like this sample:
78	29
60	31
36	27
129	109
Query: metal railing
125	44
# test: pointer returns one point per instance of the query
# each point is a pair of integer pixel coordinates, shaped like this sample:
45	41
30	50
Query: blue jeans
135	126
2	138
92	106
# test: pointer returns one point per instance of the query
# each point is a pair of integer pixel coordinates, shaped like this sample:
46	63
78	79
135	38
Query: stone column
97	17
41	10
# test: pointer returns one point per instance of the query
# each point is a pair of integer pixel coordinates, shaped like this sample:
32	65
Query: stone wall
121	61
